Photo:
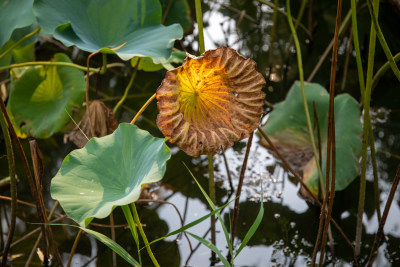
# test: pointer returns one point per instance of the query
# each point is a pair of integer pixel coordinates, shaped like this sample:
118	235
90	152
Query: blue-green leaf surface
132	26
108	172
14	14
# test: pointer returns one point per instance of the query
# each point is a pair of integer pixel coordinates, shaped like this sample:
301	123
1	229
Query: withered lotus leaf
211	101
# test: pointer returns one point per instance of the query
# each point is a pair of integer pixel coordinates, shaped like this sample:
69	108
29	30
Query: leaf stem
19	42
48	63
146	242
199	18
301	75
143	108
126	92
357	47
366	127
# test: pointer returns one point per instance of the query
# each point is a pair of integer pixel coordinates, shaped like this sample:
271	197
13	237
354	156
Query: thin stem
228	172
301	75
143	108
146	242
19	42
382	70
104	67
74	246
375	173
366	127
126	92
13	187
211	193
385	47
199	18
331	146
49	63
114	254
132	227
235	215
357	47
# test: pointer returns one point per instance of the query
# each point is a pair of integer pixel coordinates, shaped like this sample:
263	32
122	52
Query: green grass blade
132	227
180	230
112	245
382	40
252	229
212	247
226	233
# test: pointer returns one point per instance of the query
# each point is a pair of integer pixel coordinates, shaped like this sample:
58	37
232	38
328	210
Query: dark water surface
289	227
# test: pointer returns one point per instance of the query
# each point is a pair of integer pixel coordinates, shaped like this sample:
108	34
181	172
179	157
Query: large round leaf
14	14
132	26
287	127
108	172
43	97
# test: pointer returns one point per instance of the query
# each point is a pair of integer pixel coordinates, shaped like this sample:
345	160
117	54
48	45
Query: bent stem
146	242
126	92
142	109
19	42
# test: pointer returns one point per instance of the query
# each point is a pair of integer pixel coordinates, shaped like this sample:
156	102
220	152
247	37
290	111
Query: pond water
289	227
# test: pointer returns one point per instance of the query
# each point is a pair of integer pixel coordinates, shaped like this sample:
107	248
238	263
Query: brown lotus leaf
211	101
102	120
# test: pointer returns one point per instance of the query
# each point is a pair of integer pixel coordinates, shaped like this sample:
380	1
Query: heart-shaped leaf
13	15
43	97
287	128
108	172
132	26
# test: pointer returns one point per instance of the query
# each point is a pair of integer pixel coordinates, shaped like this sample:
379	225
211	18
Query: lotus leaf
287	128
43	97
109	171
127	28
13	15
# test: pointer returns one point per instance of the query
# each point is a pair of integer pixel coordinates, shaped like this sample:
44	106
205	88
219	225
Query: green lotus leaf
177	11
147	64
127	28
43	97
108	172
287	128
14	14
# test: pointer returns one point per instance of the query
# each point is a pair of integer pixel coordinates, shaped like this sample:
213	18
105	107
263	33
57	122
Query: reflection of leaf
108	172
210	102
14	14
100	25
103	122
42	98
287	128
